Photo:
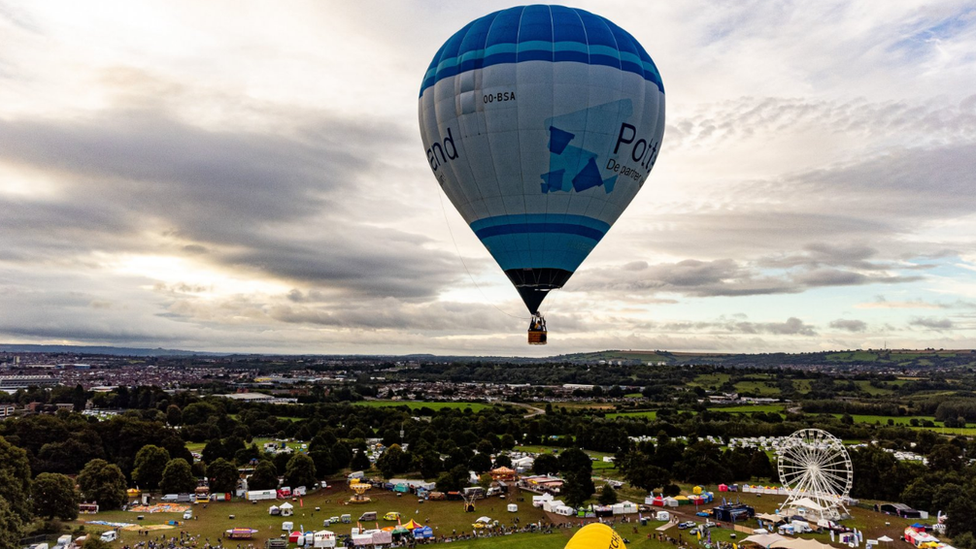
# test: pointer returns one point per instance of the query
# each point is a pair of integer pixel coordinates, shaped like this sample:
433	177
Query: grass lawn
748	408
647	414
757	387
445	516
866	387
710	380
260	441
474	406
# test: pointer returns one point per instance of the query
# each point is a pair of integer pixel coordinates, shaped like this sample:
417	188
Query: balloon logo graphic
540	124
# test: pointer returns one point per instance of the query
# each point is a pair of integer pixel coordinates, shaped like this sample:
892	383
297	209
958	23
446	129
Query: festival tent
671	502
723	487
274	510
295	536
512	508
768	517
624	508
654	500
412	525
323	539
425	532
682	500
540	501
288	526
287	509
380	538
764	540
362	539
800	543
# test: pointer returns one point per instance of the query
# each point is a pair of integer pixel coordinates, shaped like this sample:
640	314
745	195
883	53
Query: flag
360	526
301	502
398	520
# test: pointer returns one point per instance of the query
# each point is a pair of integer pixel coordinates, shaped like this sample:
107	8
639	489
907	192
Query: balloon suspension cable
447	222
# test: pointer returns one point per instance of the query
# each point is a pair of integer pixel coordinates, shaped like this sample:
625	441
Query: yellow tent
412	524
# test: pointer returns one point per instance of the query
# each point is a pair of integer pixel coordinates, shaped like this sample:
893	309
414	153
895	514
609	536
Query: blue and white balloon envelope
541	123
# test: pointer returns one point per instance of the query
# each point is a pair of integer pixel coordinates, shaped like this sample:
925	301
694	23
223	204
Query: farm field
417	405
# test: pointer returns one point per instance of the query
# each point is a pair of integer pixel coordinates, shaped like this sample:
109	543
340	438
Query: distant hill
879	358
97	350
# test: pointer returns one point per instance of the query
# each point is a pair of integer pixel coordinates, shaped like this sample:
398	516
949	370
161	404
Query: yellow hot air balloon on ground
596	536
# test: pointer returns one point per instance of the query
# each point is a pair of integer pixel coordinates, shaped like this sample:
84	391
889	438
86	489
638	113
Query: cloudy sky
237	176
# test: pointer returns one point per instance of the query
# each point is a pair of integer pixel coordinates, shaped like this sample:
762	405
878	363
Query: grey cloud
791	326
287	205
722	277
931	323
855	326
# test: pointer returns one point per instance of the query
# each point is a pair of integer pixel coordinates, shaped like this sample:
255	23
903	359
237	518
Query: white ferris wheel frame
814	465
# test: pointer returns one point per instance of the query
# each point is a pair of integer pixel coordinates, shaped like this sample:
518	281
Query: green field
416	405
647	414
212	521
711	381
749	408
761	388
260	441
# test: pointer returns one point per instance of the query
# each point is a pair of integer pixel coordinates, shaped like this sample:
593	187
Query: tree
174	416
480	463
223	476
15	480
103	482
300	471
453	480
264	477
577	488
944	458
575	460
54	495
95	542
545	464
759	465
177	477
150	462
485	480
608	496
502	461
11	526
394	460
359	461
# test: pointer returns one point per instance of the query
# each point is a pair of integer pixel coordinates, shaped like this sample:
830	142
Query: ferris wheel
816	469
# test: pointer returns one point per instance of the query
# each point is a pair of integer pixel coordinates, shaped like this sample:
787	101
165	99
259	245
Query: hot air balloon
596	535
540	124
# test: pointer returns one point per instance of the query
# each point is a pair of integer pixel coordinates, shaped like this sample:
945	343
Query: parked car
188	515
687	524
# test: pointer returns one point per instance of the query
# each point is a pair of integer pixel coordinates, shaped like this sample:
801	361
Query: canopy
485	520
808	503
800	543
412	524
766	540
775	519
287	505
885	539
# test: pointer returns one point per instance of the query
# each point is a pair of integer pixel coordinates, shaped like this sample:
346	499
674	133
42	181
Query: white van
110	536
